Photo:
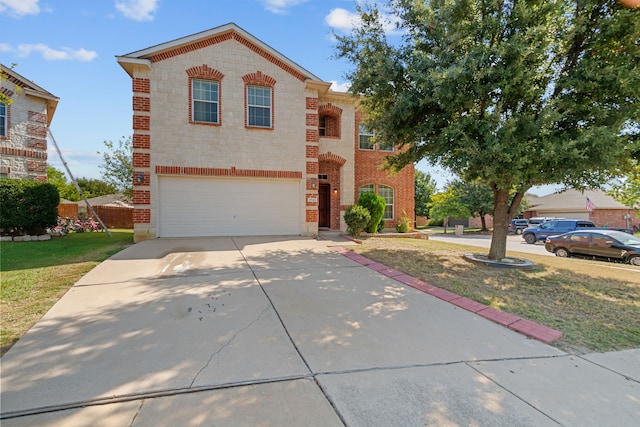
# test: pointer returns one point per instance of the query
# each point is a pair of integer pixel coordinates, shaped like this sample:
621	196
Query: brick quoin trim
141	104
141	160
37	166
312	168
312	119
312	151
141	216
141	122
37	117
8	151
311	215
141	141
225	37
141	197
37	143
231	172
311	103
141	85
312	135
39	130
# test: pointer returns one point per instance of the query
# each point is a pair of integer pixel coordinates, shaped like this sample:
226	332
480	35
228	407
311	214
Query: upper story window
329	121
259	106
365	138
385	146
3	119
204	93
206	101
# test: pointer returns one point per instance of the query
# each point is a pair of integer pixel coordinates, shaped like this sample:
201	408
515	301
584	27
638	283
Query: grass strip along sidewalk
594	303
34	275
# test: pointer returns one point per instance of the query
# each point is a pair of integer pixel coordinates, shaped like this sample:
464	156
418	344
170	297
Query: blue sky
69	48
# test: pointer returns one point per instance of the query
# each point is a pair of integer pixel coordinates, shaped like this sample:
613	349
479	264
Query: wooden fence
112	216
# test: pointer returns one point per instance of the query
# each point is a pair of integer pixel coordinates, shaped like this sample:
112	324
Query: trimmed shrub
404	223
27	206
375	204
357	217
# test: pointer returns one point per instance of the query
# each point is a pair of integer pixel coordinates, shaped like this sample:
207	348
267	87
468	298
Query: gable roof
32	89
574	200
144	58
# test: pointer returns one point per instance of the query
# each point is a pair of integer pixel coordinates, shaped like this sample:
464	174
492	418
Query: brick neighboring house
230	137
23	127
605	210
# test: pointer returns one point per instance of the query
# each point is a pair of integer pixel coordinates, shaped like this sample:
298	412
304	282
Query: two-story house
230	137
23	127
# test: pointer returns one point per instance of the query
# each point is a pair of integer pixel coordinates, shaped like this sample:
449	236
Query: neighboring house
23	127
232	138
594	205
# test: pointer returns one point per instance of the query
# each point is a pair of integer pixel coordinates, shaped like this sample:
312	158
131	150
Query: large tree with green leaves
425	187
511	93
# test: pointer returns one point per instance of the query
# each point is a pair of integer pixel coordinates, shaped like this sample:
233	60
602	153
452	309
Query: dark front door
324	206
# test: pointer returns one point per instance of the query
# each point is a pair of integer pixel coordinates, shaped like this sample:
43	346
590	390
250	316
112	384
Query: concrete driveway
286	331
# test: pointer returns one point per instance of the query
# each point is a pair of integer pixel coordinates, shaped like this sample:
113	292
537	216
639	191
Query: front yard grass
595	304
34	275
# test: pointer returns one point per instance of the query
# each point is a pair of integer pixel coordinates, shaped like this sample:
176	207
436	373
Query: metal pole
55	144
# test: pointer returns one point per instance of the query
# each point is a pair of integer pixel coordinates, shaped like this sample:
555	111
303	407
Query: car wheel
518	231
562	252
634	260
530	238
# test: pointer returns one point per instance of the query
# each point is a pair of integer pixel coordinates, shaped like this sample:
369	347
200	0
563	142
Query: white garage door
190	207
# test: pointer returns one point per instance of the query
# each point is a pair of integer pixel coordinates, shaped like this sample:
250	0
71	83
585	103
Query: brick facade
311	138
23	149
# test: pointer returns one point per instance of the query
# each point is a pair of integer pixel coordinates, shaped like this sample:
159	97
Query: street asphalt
287	331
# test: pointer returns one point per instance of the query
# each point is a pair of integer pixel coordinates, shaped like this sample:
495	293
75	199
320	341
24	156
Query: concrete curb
515	323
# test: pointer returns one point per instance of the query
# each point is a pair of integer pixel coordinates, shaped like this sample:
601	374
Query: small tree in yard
447	205
477	197
425	186
117	169
514	94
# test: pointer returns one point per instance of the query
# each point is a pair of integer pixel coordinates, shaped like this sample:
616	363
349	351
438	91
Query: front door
324	206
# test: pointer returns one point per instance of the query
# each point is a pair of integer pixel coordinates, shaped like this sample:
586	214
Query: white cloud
281	6
344	21
340	87
20	7
138	10
50	54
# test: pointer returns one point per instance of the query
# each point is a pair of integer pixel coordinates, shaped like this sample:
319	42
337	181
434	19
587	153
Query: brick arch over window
204	72
332	158
330	120
259	79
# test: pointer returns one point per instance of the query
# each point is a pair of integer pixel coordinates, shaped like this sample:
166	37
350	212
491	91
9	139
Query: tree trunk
502	213
446	220
483	220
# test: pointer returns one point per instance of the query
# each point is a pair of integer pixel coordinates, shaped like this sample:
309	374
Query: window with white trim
365	138
3	119
369	188
206	101
385	146
259	106
386	193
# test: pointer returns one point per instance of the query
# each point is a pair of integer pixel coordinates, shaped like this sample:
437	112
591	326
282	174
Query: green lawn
34	275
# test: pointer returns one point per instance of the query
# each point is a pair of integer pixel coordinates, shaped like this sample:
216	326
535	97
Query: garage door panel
228	207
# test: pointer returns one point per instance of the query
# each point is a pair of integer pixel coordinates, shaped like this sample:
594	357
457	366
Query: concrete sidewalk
287	331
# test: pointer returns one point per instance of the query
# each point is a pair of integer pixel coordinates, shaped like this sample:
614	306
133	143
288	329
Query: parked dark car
553	228
517	225
604	244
